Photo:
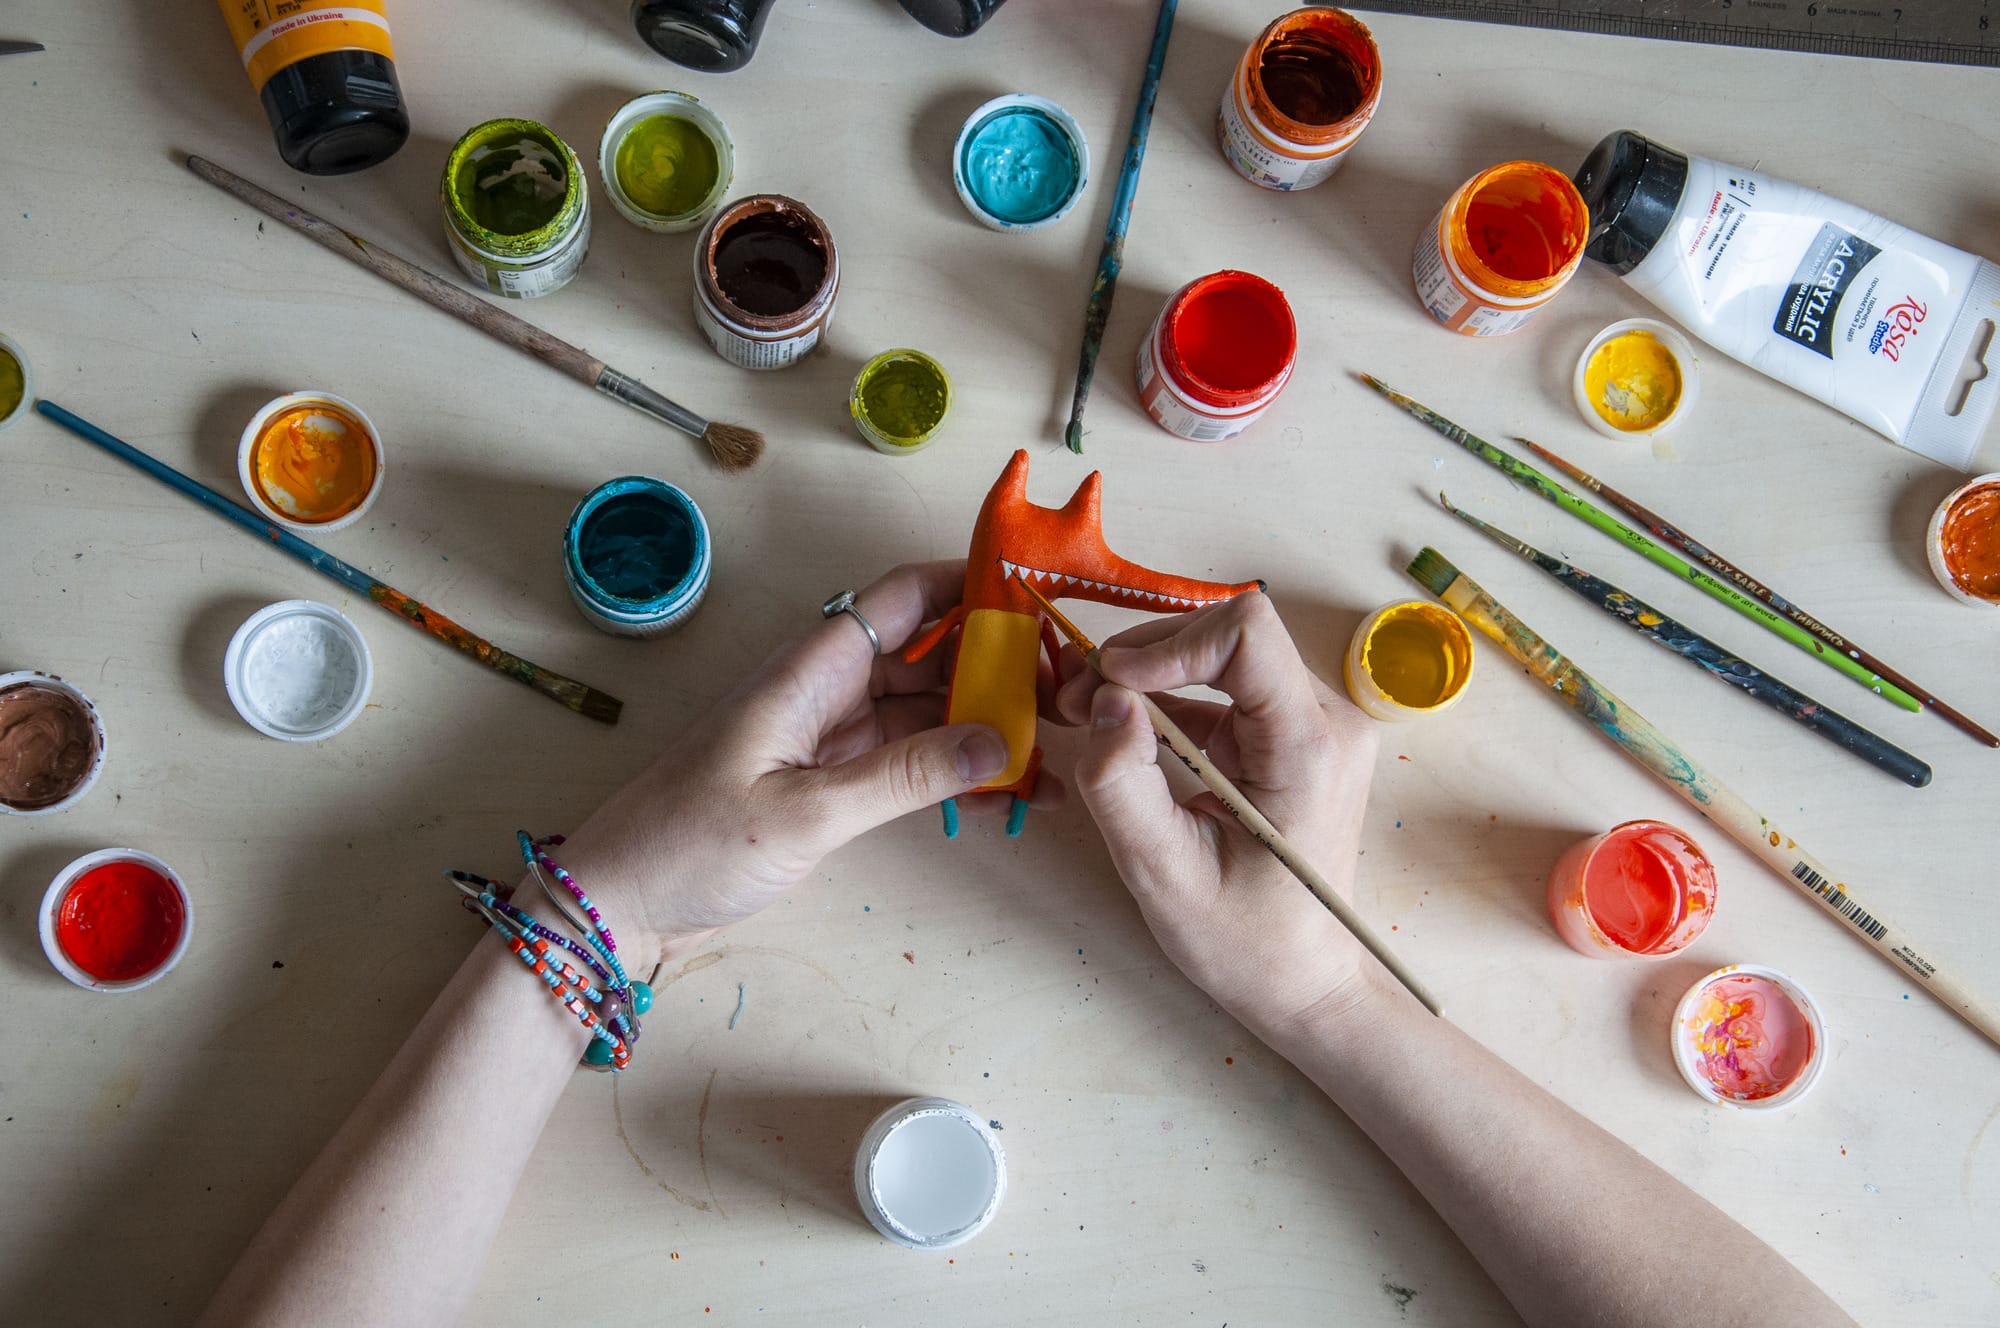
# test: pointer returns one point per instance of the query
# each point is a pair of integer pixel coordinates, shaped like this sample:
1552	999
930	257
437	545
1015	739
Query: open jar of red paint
1639	889
116	920
1217	356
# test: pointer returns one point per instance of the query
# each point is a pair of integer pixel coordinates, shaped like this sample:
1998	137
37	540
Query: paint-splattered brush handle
580	697
1651	748
1691	645
1545	486
1687	544
1098	312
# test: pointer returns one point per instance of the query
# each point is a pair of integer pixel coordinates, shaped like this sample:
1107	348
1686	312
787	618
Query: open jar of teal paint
636	556
1021	163
516	209
666	160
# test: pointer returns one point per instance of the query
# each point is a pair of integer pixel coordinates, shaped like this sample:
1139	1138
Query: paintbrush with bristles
730	446
1708	795
1246	814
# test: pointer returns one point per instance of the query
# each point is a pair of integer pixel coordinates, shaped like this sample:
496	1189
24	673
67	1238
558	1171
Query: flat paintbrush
1691	645
1756	611
1703	791
730	446
1679	539
1245	813
585	700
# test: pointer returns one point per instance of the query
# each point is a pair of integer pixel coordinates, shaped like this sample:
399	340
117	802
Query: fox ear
1087	503
1013	481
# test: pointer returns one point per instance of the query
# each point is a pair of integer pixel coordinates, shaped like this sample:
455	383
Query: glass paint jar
1408	659
899	401
516	209
1217	356
683	173
637	556
1501	248
766	274
1300	98
1639	890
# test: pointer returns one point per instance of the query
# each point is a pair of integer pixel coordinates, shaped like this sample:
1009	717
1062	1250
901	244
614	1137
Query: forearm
393	1220
1573	1225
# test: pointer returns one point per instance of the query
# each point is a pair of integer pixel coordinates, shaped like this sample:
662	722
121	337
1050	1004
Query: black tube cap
1632	186
715	36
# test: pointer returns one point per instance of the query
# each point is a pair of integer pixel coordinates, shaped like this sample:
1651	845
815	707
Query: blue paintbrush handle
1098	312
317	558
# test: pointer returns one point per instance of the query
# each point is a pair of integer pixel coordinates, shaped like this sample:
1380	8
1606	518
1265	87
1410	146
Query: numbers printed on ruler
1842	905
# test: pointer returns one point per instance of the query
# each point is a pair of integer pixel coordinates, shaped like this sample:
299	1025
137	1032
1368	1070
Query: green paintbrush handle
1529	478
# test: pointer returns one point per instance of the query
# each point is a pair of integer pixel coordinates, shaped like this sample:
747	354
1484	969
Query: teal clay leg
950	808
1017	817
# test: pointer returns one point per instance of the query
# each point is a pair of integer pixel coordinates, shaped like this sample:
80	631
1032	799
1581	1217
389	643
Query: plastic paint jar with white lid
298	671
516	208
1408	659
666	160
1300	97
1217	356
1750	1038
929	1174
1500	248
766	275
636	556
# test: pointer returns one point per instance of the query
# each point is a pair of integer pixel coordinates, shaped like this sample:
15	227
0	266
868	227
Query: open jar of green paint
899	401
516	209
666	161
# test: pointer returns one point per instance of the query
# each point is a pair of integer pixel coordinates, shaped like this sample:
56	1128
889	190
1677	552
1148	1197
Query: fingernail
1111	707
982	755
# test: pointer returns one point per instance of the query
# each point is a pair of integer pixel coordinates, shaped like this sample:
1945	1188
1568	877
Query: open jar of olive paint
516	209
666	161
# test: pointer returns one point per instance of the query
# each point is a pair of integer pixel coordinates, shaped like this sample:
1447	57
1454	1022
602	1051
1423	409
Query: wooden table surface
1164	1167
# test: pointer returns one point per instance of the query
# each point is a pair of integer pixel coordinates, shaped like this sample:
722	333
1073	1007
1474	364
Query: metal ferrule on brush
637	395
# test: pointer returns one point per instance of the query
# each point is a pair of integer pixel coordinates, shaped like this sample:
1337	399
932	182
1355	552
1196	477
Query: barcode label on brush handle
1842	905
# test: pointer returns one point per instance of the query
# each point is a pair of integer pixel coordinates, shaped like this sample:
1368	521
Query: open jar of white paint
929	1174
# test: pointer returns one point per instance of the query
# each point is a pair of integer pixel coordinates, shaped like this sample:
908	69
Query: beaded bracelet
614	1022
615	998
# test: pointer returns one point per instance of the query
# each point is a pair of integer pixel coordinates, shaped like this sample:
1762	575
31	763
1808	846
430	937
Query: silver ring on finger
844	603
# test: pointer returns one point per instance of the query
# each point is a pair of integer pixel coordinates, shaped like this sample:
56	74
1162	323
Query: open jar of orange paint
1639	889
1500	248
311	461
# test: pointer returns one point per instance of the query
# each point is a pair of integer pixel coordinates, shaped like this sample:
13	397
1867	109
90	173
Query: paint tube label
1847	307
275	34
1453	300
523	279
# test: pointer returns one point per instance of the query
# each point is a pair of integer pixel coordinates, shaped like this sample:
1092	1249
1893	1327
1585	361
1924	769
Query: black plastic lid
715	36
1632	186
953	18
336	112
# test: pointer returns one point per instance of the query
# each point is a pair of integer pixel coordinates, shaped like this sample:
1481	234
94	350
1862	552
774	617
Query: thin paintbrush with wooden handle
1708	795
1677	538
1245	813
730	446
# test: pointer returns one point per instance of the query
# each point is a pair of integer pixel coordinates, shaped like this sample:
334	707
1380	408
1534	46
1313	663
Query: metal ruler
1963	32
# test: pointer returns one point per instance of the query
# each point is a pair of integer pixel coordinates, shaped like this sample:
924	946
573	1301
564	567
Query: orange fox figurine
1062	551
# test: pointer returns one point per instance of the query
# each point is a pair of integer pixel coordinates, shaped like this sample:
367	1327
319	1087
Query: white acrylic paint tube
1888	326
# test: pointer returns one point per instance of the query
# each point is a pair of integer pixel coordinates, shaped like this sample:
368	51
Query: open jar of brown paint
765	278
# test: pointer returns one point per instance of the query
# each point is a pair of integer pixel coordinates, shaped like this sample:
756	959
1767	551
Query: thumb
908	775
1120	781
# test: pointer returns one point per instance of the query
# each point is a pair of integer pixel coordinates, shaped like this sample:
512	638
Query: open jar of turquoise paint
1021	163
636	556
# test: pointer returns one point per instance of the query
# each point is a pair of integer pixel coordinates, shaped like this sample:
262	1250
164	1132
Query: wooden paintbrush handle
426	286
1265	833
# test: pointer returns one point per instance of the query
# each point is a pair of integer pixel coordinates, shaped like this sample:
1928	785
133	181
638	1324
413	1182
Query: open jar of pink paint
1639	889
1749	1037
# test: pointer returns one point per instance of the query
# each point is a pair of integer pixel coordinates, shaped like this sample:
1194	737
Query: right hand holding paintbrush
1224	909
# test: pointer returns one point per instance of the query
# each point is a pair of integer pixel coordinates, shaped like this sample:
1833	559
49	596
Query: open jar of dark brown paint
765	278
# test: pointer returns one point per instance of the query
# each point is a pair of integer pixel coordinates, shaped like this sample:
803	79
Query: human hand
1225	910
827	740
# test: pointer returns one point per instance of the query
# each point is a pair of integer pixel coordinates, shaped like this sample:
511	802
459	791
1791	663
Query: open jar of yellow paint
1408	659
666	161
311	461
1636	379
